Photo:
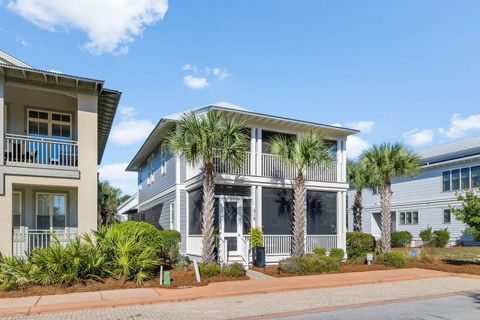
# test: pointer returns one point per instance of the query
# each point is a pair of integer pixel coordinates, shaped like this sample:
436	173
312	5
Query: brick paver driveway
279	303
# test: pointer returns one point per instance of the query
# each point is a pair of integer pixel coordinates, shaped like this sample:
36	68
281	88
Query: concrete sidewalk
125	297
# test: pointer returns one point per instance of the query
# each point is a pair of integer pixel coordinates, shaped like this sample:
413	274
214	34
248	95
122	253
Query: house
258	194
54	129
425	200
128	209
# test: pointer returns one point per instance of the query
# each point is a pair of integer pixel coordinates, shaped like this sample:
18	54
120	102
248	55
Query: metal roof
108	99
241	113
452	151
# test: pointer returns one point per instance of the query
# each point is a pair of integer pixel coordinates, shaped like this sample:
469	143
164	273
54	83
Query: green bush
210	269
309	264
336	253
359	244
234	270
151	236
256	235
170	245
441	238
427	236
181	264
320	251
394	259
401	239
15	273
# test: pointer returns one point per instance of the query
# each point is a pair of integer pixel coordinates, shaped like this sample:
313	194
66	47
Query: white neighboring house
425	200
53	132
128	207
259	193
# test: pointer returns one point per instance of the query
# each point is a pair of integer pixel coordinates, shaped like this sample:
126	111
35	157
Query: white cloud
130	130
23	42
110	25
221	74
355	146
362	126
417	137
459	125
195	82
55	71
119	178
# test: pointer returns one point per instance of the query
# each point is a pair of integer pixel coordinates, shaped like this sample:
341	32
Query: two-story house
425	200
53	132
259	193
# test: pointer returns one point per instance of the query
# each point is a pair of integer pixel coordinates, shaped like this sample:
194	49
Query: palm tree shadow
475	296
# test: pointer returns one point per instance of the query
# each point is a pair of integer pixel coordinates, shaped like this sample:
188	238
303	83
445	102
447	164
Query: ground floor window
17	209
321	212
447	216
51	210
409	217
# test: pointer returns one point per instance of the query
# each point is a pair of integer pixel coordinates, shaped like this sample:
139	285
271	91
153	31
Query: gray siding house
425	200
259	193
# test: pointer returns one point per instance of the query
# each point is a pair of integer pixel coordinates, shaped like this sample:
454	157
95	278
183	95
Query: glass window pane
65	131
455	179
56	117
43	222
447	217
33	127
409	218
231	243
415	217
43	115
65	118
16	203
33	114
402	217
56	130
230	216
247	215
465	178
59	211
446	180
43	128
16	221
43	203
476	177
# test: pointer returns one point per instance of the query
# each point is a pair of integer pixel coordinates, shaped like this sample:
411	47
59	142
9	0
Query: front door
231	222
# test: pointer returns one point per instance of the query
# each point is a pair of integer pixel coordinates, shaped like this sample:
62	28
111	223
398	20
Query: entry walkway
405	282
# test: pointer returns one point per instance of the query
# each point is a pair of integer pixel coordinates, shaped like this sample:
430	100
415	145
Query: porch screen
277	211
321	212
195	212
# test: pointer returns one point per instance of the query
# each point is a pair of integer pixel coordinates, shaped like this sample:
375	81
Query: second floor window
54	125
464	178
151	169
163	158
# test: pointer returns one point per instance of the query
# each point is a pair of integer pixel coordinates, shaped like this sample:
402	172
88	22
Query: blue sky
409	70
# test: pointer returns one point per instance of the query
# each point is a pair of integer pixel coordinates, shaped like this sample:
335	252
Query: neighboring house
259	193
425	200
128	209
54	128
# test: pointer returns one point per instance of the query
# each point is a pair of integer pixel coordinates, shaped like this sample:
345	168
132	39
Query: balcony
273	166
35	151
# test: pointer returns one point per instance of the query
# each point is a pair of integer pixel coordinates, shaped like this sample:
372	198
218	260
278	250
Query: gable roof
241	113
14	70
452	151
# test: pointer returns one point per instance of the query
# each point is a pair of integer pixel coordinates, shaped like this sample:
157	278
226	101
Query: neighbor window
476	177
446	180
447	216
409	217
150	169
465	177
455	179
163	158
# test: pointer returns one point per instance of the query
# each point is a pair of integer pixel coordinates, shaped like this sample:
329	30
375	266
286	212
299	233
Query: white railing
40	151
245	249
228	167
222	251
25	239
320	241
277	244
274	166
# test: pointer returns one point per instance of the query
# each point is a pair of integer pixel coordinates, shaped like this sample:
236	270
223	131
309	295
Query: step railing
23	149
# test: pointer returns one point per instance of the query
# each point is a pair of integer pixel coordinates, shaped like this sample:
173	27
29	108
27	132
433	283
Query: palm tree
306	150
383	163
357	178
201	139
109	198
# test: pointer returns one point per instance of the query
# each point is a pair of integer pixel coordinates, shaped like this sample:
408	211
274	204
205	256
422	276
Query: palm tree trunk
208	213
298	248
357	211
385	202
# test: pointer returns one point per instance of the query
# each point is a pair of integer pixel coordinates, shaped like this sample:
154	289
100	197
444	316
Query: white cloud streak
119	178
417	137
460	125
130	130
362	126
199	77
195	82
110	25
355	146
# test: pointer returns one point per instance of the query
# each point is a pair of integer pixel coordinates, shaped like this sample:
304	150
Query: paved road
296	302
460	307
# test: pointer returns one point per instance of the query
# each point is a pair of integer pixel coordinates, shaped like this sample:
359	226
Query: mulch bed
179	279
452	267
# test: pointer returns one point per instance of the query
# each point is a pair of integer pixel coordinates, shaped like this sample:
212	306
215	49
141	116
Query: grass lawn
451	253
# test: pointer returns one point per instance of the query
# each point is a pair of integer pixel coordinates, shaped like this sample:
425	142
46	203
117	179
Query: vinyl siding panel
157	214
162	181
183	221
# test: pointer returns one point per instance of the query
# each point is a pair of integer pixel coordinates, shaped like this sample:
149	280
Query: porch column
2	119
344	160
341	220
258	152
6	216
258	207
253	140
87	162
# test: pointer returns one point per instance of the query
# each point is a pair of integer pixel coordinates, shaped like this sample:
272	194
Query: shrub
210	269
394	259
441	238
234	270
15	273
256	235
170	245
359	244
181	264
401	239
309	264
336	253
320	251
151	236
426	235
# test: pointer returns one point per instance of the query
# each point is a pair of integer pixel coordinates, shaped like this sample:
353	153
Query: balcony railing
30	150
25	239
227	167
281	245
